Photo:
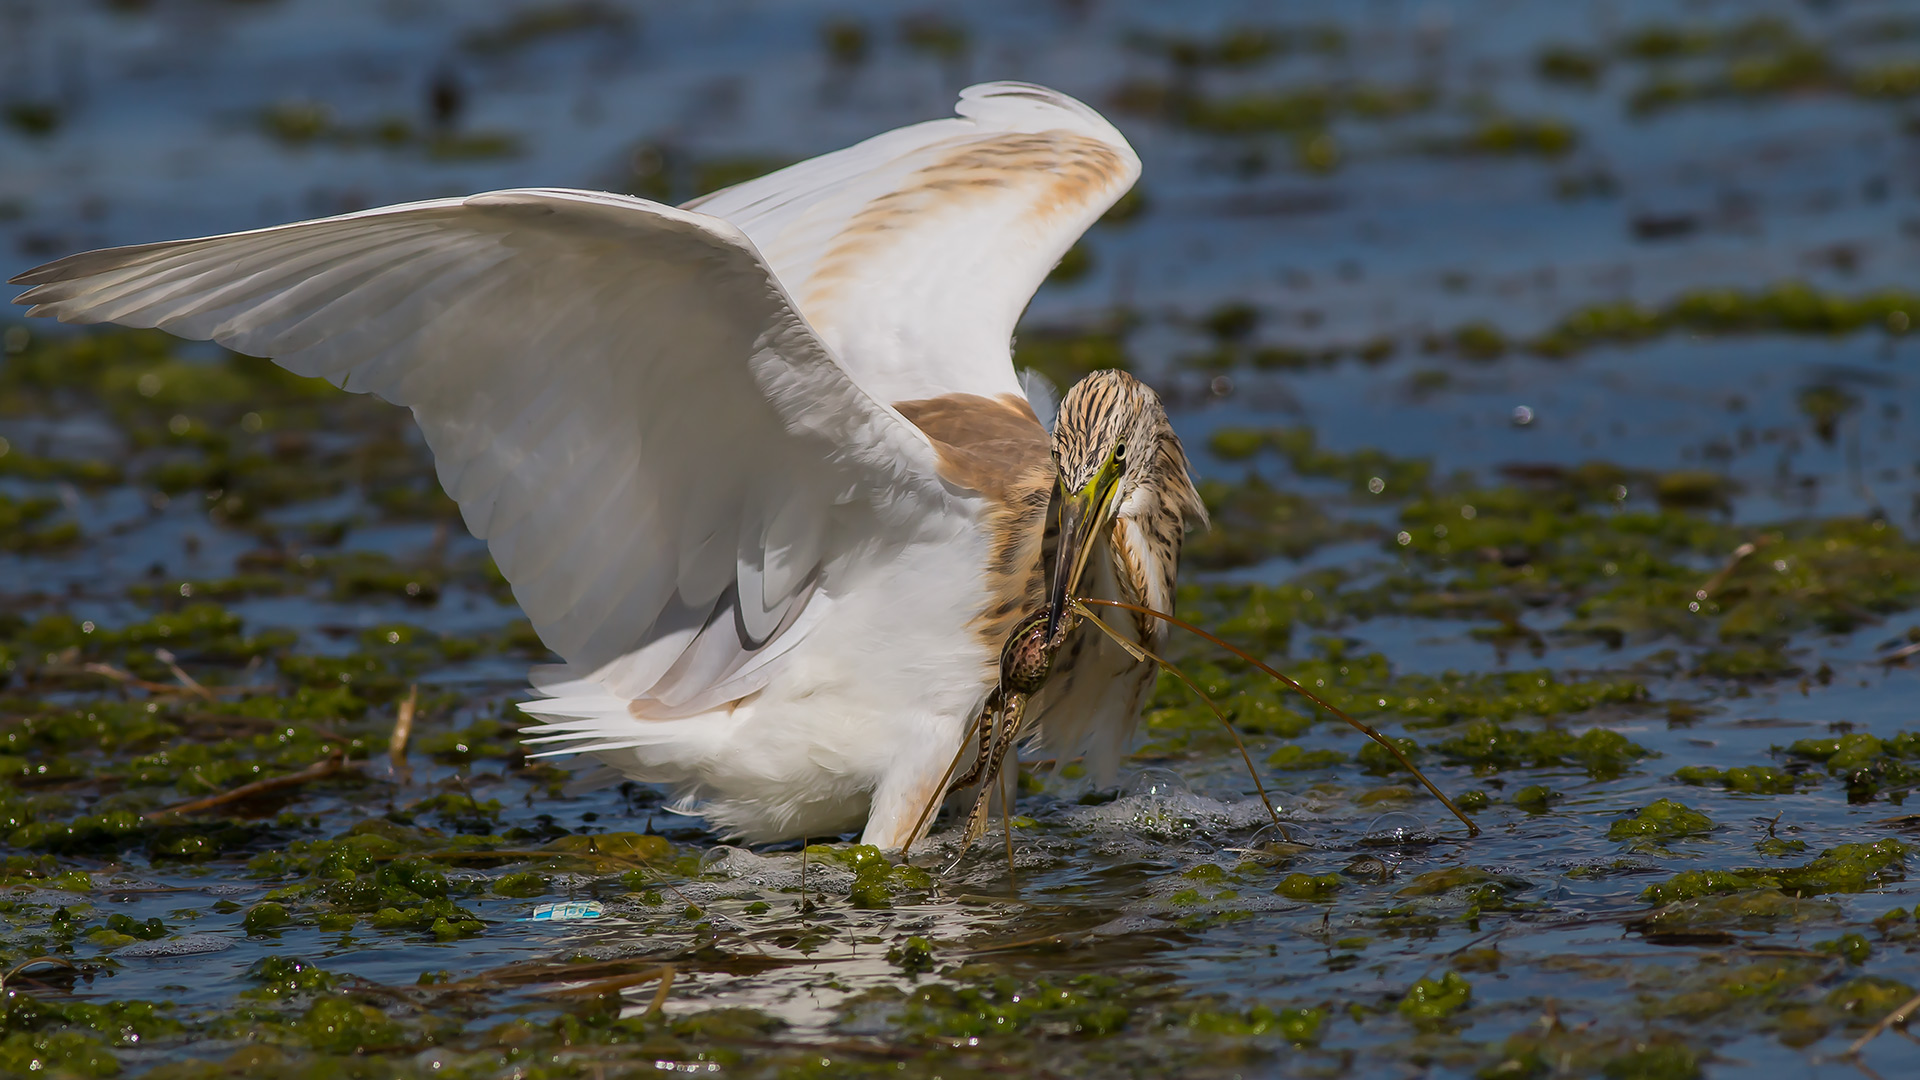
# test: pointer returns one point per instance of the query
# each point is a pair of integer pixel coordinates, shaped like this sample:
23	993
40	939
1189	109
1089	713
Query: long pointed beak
1083	516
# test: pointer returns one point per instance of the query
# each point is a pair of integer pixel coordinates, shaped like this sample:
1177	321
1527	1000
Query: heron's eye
1120	454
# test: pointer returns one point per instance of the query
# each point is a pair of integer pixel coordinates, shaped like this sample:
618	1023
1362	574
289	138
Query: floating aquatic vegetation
846	40
935	36
1513	135
1364	470
1570	64
36	119
1661	820
1065	356
1431	1001
299	124
1304	112
1239	46
536	23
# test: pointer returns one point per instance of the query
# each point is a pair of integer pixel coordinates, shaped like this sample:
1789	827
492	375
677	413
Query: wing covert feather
914	253
620	396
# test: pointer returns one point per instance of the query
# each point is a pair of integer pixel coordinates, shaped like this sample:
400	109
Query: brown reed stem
1472	829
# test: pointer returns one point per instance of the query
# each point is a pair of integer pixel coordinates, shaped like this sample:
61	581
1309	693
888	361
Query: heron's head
1116	457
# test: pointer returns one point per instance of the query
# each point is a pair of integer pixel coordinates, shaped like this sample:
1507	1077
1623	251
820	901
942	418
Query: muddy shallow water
1547	370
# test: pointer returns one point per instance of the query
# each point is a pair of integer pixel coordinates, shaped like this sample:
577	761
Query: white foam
184	945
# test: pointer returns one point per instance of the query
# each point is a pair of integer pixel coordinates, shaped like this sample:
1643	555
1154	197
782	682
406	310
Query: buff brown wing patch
1059	172
996	446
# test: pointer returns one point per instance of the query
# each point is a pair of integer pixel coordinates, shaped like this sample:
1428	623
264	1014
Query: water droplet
1522	416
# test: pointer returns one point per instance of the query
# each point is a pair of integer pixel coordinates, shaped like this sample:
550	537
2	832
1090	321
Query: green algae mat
1547	370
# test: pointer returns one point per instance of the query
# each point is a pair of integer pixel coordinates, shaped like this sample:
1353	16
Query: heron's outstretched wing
660	453
914	253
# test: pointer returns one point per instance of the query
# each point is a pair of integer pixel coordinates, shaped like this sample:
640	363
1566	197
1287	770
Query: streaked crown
1112	410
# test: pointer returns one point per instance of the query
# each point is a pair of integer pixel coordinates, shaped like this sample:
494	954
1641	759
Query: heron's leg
908	795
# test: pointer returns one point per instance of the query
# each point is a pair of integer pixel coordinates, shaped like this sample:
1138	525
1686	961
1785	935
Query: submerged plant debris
1547	371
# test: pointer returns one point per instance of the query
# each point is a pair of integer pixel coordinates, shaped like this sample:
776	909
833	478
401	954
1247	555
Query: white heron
758	468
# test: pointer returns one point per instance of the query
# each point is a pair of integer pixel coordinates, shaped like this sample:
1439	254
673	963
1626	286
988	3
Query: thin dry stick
402	731
1472	829
1896	1016
660	995
1143	654
34	962
1899	655
180	673
1740	555
128	678
319	770
940	789
616	983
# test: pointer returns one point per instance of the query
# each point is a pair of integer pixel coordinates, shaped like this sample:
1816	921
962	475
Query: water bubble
715	859
1522	416
1265	835
1158	784
1404	538
1397	829
1376	485
1271	846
